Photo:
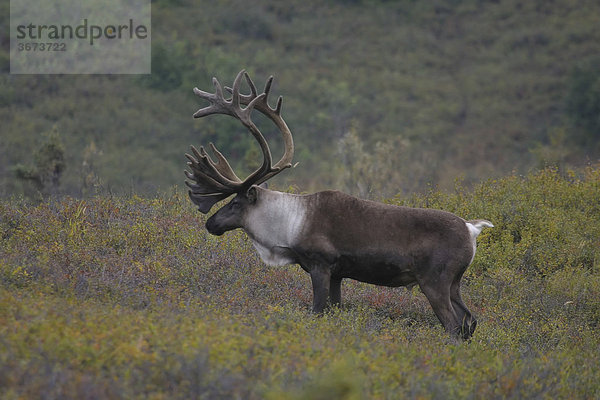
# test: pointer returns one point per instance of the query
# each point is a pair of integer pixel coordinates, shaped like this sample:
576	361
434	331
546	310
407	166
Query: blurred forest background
382	96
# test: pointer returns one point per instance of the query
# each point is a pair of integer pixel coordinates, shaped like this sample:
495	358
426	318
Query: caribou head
213	181
232	215
330	234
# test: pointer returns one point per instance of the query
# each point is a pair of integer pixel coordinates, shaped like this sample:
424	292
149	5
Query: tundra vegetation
117	292
434	89
130	297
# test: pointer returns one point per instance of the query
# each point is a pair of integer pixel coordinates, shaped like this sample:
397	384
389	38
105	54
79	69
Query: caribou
330	234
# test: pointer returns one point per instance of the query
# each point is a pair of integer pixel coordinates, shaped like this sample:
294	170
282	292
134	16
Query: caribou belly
383	271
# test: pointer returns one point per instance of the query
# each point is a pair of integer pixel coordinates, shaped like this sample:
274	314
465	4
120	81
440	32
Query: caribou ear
252	195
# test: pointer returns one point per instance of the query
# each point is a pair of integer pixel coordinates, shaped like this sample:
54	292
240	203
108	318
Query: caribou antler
215	181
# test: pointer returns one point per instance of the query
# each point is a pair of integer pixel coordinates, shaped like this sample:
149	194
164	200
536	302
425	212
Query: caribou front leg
320	277
335	291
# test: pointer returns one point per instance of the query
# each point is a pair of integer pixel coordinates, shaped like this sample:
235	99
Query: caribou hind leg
438	295
468	322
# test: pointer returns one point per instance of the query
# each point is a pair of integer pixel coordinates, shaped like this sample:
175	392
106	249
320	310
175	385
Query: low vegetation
129	297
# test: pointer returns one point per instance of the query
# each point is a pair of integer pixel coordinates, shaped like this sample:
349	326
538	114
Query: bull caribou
331	235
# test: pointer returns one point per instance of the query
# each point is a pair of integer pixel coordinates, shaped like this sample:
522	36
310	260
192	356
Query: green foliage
379	172
167	69
255	23
583	100
127	297
49	165
91	182
444	88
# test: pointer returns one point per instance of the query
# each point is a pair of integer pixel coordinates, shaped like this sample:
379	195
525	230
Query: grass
127	297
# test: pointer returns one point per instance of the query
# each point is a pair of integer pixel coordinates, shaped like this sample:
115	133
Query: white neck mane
274	224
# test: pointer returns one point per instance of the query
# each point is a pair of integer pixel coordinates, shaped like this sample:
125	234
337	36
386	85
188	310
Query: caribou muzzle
213	227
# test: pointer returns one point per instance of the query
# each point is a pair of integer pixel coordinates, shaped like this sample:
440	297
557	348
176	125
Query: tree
90	180
583	100
48	166
375	173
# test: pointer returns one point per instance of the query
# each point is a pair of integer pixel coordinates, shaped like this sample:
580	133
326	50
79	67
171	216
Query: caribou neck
275	225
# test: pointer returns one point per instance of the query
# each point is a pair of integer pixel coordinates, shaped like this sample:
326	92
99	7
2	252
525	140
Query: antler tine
235	99
246	99
223	165
205	184
218	89
268	87
218	104
219	171
251	84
